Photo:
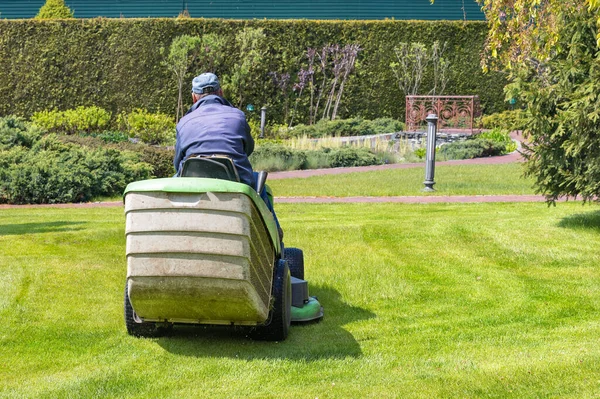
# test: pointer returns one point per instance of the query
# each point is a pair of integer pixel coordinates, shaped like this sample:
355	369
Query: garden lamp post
432	120
263	121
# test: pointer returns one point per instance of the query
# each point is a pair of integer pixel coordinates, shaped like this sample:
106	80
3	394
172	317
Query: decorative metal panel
454	112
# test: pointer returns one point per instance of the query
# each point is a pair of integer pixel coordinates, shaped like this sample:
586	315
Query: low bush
345	128
498	135
420	152
151	128
15	132
159	158
507	120
52	171
78	120
348	157
275	157
469	149
112	136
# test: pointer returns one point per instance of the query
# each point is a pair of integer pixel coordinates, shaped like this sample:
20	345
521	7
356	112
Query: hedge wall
117	64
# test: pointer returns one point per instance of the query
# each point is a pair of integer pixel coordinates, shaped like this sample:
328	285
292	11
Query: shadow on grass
308	342
589	220
34	228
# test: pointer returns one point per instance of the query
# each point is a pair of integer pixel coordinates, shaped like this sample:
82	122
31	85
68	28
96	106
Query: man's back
213	126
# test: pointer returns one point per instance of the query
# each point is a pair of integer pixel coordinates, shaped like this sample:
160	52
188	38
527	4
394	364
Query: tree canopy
551	50
54	9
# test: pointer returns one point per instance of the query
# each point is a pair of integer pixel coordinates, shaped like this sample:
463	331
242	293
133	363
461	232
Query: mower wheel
137	327
277	326
295	260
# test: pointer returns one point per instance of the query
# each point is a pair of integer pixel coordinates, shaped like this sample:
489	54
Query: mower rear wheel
278	323
295	260
137	327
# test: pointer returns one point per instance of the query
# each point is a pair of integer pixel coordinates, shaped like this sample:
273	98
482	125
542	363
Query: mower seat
212	167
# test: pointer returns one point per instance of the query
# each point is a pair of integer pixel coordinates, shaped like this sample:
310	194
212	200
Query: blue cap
205	83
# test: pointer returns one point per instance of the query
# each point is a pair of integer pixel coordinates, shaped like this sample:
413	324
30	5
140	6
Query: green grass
450	180
439	300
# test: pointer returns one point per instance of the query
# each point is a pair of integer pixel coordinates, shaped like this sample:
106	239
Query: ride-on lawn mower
204	248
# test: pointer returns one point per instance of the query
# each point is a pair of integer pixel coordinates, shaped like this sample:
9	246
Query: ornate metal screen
454	112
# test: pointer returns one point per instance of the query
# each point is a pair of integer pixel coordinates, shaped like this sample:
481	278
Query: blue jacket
214	126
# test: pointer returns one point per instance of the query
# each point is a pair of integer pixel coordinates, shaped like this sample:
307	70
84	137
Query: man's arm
248	140
178	155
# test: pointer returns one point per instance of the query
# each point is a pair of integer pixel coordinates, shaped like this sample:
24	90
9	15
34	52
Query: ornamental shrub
159	158
56	172
275	157
499	136
14	131
81	119
348	157
110	136
346	128
54	9
151	128
507	120
469	149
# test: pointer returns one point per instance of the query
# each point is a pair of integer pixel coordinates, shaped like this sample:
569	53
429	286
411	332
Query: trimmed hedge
116	64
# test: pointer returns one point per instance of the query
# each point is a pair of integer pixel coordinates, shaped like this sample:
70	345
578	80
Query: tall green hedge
117	64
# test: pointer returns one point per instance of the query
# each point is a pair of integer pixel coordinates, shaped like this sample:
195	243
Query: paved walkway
426	199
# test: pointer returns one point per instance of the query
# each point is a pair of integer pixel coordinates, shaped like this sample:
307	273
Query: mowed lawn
438	300
450	180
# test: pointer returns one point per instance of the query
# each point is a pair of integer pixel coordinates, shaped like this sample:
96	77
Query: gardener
213	126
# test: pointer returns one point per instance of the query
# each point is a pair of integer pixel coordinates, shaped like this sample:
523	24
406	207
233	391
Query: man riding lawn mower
205	247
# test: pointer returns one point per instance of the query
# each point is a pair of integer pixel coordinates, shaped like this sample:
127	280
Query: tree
523	31
412	60
54	9
212	53
252	51
550	48
563	113
182	52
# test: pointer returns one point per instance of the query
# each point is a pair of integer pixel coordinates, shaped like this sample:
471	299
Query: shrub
54	9
387	125
348	157
507	120
420	152
110	136
346	128
56	172
81	119
274	157
469	149
14	131
159	158
499	136
156	129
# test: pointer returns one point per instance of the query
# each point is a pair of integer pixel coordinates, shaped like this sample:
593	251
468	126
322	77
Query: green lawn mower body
207	251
